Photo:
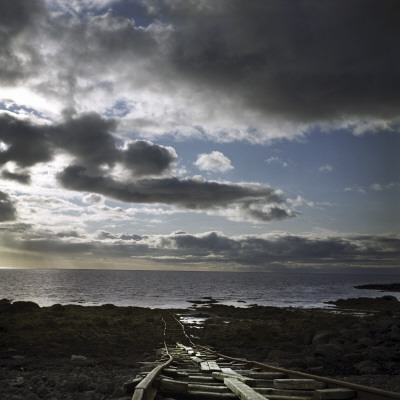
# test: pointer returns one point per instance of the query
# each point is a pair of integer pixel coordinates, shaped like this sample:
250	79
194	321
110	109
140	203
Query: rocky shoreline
87	353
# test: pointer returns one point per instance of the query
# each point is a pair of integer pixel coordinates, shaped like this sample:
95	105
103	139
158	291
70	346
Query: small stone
32	396
323	337
43	391
20	380
118	392
365	342
367	367
278	355
395	333
106	387
78	358
129	386
328	350
89	395
17	357
71	386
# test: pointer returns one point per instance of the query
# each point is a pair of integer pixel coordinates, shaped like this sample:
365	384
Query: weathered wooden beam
200	378
334	394
229	371
267	375
174	386
130	386
284	397
303	384
213	366
284	392
208	388
199	395
204	366
243	391
222	375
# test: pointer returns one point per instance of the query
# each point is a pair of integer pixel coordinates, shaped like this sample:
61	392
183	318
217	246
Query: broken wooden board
334	394
209	366
243	391
302	384
221	376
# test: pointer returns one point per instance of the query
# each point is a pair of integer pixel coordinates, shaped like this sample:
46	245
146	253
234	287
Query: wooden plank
200	378
284	397
302	384
208	388
268	391
222	375
241	390
169	385
204	366
213	366
175	373
194	394
229	371
334	394
263	383
267	375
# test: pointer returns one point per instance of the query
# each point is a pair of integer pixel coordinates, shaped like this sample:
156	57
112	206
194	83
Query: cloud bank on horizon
110	109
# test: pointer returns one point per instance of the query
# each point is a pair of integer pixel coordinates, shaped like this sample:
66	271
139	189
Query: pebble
78	358
32	396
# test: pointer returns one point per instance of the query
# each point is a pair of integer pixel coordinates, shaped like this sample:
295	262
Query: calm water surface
173	289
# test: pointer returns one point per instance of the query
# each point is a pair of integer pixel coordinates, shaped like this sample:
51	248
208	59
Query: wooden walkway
195	372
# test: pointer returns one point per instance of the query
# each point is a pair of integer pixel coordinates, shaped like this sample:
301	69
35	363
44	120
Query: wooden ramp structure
196	372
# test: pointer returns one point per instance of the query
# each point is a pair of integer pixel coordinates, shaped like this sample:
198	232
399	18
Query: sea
178	289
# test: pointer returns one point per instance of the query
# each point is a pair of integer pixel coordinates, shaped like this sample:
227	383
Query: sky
200	135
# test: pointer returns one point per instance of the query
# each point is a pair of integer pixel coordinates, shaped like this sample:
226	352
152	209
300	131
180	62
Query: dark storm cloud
88	138
17	17
279	251
119	236
306	60
274	213
283	249
23	178
144	158
27	144
188	193
7	209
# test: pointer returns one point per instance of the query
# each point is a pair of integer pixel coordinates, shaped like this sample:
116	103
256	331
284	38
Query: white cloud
300	201
376	186
326	167
379	187
214	161
355	188
277	160
93	198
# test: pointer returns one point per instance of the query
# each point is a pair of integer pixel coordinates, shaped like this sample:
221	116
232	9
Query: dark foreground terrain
76	352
